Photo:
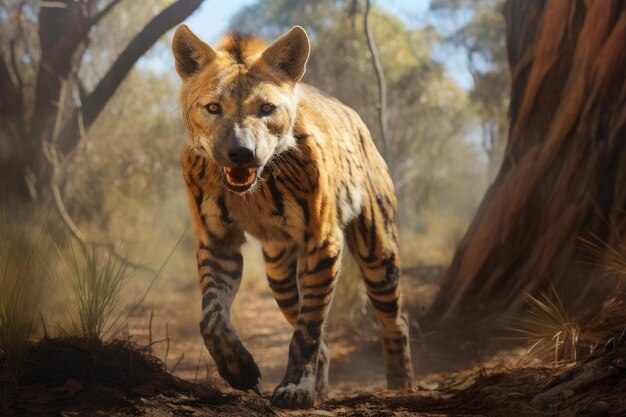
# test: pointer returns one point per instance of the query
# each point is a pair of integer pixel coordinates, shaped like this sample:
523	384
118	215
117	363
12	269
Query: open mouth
239	178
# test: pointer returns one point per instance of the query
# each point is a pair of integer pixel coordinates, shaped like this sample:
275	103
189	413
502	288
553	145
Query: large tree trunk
564	173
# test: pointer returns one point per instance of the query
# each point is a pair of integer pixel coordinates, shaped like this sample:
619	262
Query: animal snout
240	154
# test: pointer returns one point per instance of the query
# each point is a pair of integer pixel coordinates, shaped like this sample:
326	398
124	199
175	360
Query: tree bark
564	173
95	102
25	169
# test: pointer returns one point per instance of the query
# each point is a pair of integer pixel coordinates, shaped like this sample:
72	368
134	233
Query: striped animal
297	170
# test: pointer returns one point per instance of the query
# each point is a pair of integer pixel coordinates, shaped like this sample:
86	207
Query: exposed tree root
579	378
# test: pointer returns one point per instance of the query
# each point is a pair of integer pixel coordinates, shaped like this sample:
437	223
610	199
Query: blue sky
211	20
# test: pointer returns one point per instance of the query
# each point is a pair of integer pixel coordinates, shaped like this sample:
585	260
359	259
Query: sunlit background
447	83
506	144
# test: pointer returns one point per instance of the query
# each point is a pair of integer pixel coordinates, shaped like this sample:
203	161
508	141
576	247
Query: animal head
239	99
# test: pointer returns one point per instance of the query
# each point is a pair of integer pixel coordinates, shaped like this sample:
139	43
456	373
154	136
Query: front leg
220	265
220	268
318	268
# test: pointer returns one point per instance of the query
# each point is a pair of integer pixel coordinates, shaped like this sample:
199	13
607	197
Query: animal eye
213	108
267	108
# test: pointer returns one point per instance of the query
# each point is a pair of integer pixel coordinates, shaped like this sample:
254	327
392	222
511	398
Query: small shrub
611	257
25	268
557	335
96	277
571	334
548	327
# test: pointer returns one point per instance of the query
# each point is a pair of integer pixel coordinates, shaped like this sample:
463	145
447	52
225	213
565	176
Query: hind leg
281	264
372	239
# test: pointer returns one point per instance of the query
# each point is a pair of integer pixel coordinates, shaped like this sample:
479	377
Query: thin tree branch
180	359
73	228
82	92
98	16
53	5
16	72
158	273
382	84
141	43
8	89
20	33
407	178
53	158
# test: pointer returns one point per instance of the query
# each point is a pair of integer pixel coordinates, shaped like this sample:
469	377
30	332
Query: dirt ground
455	376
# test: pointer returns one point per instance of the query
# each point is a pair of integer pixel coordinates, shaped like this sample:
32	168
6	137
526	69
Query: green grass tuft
96	278
26	265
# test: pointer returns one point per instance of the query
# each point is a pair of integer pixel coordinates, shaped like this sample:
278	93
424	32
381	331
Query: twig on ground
167	345
482	373
177	362
44	327
207	370
195	378
150	329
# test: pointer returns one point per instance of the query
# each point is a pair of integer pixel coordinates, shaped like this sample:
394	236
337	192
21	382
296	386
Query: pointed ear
190	52
289	53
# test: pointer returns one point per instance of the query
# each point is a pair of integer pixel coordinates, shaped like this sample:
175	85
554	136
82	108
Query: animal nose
240	154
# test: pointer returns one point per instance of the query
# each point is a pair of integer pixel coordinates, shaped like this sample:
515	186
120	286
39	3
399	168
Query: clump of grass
548	327
96	277
558	336
561	335
25	269
611	256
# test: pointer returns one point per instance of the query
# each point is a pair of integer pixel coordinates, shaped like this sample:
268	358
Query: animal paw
294	396
236	365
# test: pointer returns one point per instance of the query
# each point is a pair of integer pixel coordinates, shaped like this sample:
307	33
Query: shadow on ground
66	377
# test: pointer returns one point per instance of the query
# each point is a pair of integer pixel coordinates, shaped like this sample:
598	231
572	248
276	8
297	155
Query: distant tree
563	177
427	113
270	18
129	157
47	100
477	28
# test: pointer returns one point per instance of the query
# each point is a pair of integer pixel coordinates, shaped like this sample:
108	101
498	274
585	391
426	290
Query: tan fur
321	182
